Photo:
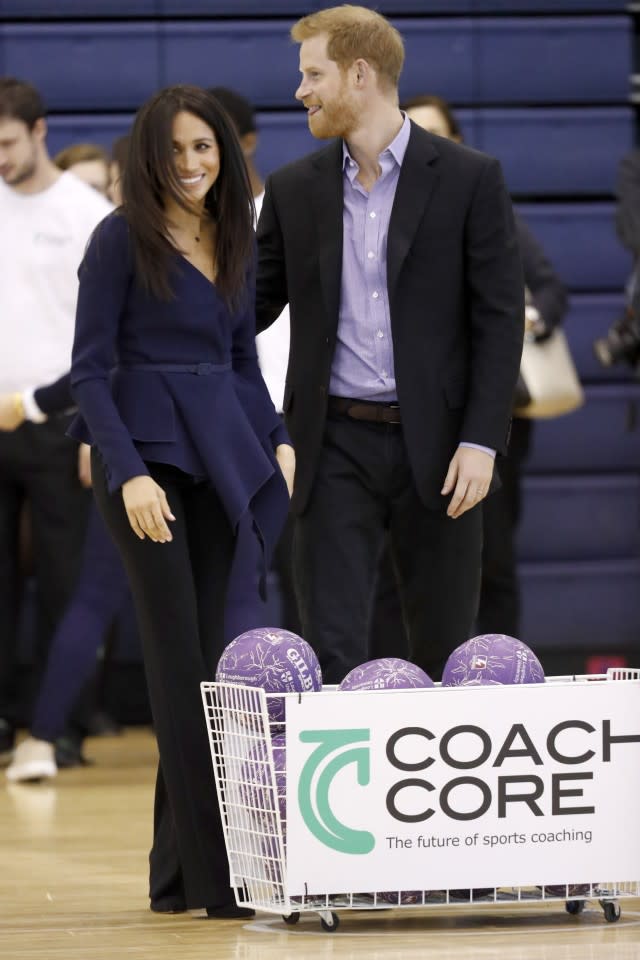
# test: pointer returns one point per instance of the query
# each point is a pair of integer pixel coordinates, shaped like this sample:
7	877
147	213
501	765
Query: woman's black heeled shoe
230	911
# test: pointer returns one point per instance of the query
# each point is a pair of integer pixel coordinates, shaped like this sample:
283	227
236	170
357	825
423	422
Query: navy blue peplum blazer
174	381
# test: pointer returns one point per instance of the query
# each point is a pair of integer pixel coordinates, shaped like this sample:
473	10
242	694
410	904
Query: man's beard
335	119
23	173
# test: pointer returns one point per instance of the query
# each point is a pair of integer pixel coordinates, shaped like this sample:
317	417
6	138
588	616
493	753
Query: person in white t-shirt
244	611
46	219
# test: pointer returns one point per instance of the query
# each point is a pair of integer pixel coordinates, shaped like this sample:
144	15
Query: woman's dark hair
150	176
432	100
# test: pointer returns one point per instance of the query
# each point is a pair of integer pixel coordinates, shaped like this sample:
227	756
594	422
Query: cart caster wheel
330	925
574	906
611	911
291	918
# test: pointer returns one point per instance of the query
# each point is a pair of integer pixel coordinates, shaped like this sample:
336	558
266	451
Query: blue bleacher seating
601	436
258	59
439	57
546	60
534	145
581	242
114	67
282	137
510	60
67	129
553	526
77	9
587	605
80	9
548	6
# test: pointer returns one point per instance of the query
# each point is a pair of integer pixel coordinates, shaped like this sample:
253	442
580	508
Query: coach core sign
445	788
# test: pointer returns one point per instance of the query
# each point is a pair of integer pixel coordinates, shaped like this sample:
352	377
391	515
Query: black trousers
499	607
363	488
39	465
179	593
499	610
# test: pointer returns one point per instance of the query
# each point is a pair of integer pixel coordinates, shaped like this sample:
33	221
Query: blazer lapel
416	183
327	193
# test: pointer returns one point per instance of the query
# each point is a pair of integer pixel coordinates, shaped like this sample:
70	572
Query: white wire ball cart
495	796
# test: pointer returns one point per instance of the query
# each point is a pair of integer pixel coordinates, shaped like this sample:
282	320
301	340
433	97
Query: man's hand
469	476
147	509
84	464
11	411
285	455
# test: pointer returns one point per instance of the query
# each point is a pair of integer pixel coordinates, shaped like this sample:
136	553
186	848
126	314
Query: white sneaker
32	760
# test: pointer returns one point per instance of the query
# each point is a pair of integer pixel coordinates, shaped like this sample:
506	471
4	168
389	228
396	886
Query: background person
89	161
97	598
46	218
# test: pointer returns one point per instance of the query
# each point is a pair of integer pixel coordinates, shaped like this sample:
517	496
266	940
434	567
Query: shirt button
375	294
379	334
384	373
373	214
371	255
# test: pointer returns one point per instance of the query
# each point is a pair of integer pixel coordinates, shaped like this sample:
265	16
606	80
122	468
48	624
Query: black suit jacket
455	289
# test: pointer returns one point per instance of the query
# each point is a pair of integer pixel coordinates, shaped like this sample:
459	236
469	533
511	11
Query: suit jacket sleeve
271	283
495	290
548	291
104	275
244	356
55	397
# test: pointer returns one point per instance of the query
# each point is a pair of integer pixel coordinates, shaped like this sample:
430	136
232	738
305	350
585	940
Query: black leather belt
365	410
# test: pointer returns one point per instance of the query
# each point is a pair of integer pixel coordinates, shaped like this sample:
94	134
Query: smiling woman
186	442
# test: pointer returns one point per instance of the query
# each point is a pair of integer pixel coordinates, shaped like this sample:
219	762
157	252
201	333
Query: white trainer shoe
32	760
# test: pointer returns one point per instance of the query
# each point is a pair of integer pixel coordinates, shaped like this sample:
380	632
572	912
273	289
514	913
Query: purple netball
387	673
256	782
492	658
274	659
404	898
571	890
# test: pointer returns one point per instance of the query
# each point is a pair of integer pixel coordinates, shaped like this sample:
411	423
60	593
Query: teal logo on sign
316	778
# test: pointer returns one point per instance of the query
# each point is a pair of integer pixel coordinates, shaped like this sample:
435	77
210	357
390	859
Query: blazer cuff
478	446
280	435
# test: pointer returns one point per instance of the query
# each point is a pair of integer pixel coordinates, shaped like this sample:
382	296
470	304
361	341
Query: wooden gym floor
73	886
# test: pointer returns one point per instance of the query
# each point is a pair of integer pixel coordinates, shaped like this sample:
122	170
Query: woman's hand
147	509
84	464
11	411
285	455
